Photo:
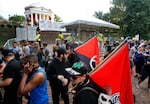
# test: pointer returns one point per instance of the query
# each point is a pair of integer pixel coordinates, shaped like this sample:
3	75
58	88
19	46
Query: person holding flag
85	90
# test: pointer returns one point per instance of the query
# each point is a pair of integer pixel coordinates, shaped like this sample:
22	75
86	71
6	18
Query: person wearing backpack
84	89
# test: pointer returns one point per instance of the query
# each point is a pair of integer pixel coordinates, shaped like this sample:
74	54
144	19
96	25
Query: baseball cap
7	52
77	69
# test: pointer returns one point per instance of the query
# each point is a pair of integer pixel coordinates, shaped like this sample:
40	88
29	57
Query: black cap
7	52
78	68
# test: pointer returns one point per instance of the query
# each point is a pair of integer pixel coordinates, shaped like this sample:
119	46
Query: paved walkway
142	94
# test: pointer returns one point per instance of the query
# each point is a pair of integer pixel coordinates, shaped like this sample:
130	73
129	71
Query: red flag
115	72
89	52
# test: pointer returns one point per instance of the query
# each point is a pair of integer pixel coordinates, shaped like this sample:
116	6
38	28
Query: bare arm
25	88
2	66
6	82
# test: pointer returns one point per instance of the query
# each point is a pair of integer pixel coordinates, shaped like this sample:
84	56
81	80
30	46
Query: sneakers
137	86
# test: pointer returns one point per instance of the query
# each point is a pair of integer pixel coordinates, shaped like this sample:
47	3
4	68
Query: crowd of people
27	70
140	60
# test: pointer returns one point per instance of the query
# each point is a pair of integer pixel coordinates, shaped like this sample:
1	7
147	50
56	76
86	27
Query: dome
36	5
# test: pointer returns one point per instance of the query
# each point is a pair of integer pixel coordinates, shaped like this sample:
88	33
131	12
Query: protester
31	46
11	77
145	74
108	49
139	61
58	77
61	36
46	53
38	36
38	52
2	66
36	48
15	47
85	90
37	81
26	48
132	51
55	48
72	55
74	44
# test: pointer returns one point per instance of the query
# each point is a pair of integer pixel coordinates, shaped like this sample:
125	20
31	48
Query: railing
9	42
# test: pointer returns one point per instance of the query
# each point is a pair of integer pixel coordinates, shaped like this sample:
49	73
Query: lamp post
9	17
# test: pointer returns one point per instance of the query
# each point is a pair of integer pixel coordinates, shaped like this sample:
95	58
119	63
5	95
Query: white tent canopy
83	22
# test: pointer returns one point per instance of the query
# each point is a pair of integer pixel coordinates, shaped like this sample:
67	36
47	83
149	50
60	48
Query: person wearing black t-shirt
11	77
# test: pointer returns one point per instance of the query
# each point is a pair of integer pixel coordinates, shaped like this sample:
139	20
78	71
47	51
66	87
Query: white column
36	19
31	19
45	17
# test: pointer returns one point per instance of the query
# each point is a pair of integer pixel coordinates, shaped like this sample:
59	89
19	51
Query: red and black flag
115	72
89	52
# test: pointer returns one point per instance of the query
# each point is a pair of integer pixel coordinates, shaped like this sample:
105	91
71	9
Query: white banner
32	33
45	25
21	34
27	33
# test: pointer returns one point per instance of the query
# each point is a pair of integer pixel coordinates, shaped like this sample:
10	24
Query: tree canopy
137	18
57	18
17	19
133	16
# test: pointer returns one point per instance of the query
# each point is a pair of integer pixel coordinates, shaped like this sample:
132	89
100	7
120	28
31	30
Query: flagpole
110	55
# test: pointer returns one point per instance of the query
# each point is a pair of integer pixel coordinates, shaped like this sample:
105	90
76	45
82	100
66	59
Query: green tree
98	14
137	18
57	18
133	17
17	19
115	14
